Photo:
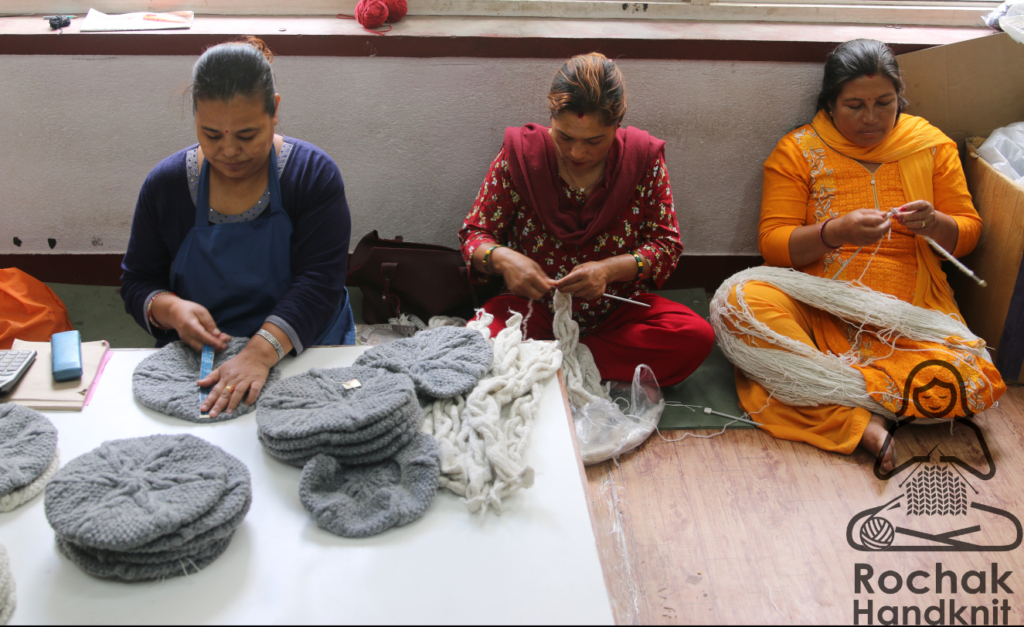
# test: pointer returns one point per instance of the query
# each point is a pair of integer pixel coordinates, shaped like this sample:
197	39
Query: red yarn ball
397	9
371	13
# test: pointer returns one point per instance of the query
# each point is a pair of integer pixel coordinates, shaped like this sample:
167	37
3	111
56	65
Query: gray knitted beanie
28	454
121	570
166	380
323	411
361	501
443	362
8	598
148	508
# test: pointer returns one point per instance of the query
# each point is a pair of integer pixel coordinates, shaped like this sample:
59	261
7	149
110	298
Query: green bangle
487	257
639	263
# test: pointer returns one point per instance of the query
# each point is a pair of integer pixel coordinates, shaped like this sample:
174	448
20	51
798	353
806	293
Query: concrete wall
413	137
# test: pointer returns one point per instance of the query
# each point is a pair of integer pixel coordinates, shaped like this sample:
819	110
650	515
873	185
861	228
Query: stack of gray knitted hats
28	454
7	591
148	508
355	431
166	381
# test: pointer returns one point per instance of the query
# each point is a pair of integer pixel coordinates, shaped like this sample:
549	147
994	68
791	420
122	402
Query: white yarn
483	437
19	497
800	375
8	598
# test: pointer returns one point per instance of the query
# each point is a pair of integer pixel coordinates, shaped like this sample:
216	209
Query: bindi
580	115
870	75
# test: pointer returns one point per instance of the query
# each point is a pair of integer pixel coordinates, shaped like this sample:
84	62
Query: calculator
13	364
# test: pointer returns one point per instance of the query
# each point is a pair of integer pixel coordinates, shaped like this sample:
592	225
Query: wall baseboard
706	271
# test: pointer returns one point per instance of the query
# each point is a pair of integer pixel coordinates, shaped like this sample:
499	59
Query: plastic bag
1004	150
1006	9
604	430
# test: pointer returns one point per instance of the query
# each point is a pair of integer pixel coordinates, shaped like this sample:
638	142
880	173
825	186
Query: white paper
99	22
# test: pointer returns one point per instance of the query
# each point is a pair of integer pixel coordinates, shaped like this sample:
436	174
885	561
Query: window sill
430	36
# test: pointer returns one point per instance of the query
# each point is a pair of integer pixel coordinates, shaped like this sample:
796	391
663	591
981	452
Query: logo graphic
938	509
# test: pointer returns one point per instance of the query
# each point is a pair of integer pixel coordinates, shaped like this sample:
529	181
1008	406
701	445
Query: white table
536	563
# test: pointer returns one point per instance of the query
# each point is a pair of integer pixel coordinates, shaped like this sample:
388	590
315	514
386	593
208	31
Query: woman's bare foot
874	439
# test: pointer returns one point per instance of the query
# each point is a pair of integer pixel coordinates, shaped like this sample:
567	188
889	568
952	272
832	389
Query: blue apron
239	271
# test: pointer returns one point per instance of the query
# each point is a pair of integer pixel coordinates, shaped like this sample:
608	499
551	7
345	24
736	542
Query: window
896	12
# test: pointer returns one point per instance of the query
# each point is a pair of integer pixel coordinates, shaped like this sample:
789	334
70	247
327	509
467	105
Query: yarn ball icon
877	533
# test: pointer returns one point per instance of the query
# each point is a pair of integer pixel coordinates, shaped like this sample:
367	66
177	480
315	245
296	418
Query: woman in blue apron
244	235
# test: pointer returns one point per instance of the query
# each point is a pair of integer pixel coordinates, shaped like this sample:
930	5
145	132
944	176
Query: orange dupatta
907	144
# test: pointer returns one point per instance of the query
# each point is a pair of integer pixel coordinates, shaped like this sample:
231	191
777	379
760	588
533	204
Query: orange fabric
29	310
812	176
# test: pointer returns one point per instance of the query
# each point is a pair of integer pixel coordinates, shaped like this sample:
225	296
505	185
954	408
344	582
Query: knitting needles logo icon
938	508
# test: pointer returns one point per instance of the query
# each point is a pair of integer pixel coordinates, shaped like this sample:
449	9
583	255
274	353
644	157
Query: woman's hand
241	377
859	228
192	321
523	276
587	280
921	218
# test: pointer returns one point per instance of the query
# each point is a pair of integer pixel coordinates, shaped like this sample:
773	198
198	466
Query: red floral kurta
648	226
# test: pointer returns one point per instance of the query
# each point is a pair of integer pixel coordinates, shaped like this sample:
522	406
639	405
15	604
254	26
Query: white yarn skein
483	437
800	375
8	597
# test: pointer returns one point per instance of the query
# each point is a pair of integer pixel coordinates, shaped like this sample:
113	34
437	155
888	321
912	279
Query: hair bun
260	45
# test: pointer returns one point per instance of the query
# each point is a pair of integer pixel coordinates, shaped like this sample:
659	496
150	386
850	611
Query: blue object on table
66	349
205	368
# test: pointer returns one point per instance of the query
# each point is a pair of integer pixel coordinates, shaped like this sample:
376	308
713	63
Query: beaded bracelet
149	309
639	263
821	235
487	257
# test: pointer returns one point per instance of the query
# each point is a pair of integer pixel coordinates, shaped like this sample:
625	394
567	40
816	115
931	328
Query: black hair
854	59
589	83
239	68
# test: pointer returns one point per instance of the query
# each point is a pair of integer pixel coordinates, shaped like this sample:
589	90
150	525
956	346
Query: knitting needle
948	255
708	410
626	300
956	262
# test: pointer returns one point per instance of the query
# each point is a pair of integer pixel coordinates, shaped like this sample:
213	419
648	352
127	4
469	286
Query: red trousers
667	336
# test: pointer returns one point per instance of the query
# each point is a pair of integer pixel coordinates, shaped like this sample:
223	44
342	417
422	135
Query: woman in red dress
585	207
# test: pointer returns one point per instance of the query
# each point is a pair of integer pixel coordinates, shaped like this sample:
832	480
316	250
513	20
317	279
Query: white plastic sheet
1004	149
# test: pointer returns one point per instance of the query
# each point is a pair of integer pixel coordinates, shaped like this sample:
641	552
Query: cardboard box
968	90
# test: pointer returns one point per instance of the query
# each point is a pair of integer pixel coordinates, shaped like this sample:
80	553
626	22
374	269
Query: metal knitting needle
626	300
708	410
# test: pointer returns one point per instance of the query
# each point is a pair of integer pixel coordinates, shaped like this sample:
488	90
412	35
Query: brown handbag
405	277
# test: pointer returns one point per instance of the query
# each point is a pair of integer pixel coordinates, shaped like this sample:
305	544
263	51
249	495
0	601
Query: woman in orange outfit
828	189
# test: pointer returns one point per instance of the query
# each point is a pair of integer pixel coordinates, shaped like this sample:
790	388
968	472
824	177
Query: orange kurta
811	177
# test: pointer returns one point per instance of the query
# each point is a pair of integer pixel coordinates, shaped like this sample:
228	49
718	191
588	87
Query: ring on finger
922	224
229	388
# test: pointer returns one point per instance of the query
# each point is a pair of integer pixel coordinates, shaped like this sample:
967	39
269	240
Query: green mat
711	385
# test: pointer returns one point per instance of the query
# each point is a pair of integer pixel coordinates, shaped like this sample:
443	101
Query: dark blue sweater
314	199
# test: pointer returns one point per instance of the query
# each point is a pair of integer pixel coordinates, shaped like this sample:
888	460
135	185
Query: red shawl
533	166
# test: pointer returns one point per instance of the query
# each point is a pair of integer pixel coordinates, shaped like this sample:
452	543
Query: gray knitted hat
166	380
148	508
28	454
8	598
113	566
361	501
443	362
323	411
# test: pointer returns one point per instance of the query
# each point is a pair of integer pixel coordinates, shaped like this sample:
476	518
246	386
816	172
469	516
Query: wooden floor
745	528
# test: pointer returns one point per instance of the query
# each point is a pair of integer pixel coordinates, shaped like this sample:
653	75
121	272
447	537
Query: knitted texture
28	442
8	599
148	508
314	413
18	498
361	501
443	362
166	381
